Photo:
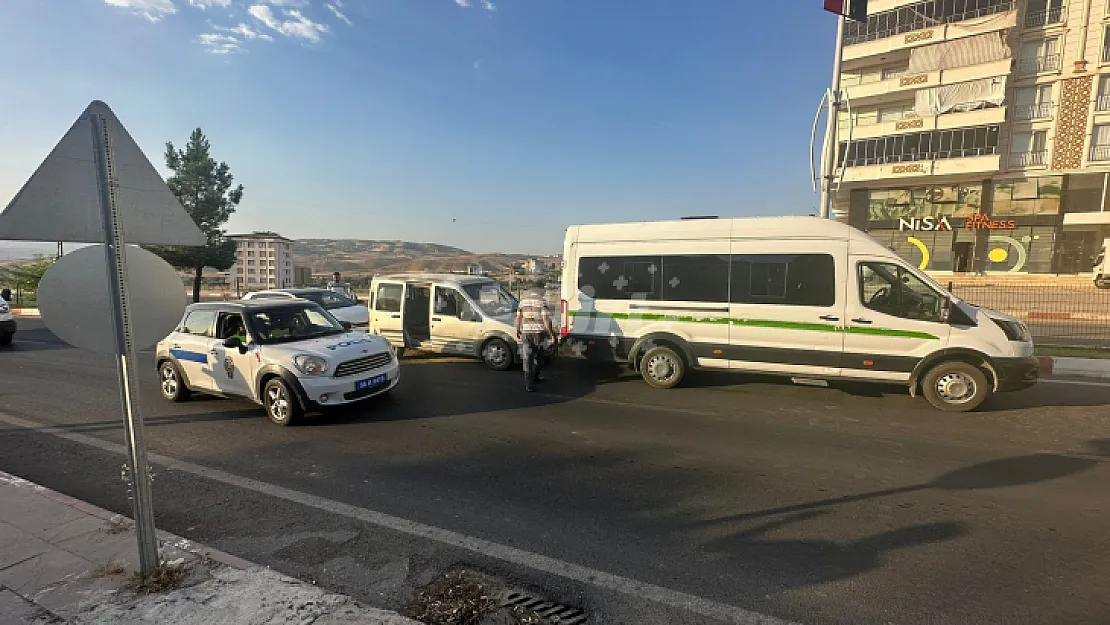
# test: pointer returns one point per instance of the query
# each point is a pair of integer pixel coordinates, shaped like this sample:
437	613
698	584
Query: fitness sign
938	224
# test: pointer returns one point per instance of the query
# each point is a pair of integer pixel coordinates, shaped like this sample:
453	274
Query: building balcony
917	30
1099	153
1045	17
1028	112
1039	65
947	121
1029	159
877	91
978	160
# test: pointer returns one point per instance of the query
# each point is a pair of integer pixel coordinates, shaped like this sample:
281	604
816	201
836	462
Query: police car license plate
370	382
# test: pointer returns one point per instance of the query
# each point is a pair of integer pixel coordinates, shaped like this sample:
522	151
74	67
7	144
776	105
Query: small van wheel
497	355
281	406
955	387
662	367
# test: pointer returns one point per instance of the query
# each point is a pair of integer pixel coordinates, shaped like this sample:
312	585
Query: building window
1103	101
252	271
904	203
1029	149
890	73
895	113
1039	13
1040	56
1028	196
1100	143
250	263
918	146
1033	103
1106	45
920	16
250	254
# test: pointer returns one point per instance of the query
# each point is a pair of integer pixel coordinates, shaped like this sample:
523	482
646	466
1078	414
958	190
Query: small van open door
385	316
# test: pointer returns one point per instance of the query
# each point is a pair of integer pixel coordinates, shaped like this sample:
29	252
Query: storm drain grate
553	612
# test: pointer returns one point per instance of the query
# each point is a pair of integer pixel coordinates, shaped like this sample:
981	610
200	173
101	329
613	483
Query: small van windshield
492	299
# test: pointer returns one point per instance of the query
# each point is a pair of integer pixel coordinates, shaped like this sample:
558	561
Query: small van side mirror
346	325
945	309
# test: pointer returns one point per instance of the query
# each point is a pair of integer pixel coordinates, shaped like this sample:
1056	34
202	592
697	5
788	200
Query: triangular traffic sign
61	200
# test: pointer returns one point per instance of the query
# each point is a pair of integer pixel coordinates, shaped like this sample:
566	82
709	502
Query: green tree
26	276
204	188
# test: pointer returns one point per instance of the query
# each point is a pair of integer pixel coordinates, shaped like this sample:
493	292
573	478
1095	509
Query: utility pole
832	148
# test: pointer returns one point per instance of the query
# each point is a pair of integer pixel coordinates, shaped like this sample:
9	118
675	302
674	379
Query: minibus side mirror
946	309
346	325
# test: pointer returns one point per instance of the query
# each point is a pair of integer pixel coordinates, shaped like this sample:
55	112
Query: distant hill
361	257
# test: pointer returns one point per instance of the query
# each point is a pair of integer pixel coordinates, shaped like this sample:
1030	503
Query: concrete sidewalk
66	561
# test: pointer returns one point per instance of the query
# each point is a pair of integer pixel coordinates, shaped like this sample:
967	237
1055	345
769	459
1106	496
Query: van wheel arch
970	356
646	342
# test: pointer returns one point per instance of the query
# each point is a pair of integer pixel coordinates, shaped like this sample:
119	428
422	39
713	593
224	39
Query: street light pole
828	172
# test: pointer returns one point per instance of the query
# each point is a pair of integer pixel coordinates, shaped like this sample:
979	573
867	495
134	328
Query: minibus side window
892	290
620	277
785	279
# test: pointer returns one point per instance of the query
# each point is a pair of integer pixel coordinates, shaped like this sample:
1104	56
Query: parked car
343	308
291	356
7	323
802	297
446	313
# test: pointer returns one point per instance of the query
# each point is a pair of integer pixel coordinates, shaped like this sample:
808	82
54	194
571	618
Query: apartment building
263	260
978	135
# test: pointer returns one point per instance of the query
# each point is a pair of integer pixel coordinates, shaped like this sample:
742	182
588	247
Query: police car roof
252	304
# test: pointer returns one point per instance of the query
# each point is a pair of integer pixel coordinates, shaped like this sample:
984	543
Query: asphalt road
847	505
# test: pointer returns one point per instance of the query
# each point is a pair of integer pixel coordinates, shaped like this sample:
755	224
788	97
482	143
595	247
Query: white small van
802	297
448	314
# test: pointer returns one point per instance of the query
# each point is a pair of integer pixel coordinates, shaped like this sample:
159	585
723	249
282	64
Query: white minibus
802	297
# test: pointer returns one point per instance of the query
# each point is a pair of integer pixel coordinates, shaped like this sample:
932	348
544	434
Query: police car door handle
861	321
829	318
436	319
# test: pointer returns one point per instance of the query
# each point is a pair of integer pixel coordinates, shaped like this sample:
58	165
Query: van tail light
564	318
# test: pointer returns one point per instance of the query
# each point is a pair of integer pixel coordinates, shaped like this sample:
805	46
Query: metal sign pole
141	493
828	173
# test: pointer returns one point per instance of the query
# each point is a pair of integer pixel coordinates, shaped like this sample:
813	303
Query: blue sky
490	125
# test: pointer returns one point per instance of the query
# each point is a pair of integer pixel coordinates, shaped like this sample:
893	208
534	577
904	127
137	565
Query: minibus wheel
497	355
955	386
662	367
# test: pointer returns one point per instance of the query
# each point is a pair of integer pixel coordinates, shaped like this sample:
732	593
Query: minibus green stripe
757	323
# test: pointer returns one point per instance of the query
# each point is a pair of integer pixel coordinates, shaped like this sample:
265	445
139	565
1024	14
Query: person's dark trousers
532	353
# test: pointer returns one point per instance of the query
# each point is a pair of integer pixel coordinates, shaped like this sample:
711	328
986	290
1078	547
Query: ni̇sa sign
935	224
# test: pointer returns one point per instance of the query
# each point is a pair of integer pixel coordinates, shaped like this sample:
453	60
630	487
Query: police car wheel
281	406
172	384
497	355
955	387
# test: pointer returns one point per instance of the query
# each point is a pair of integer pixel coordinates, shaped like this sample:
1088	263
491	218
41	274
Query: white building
991	114
263	260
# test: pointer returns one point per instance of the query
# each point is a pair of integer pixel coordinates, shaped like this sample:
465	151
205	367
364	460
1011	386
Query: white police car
290	356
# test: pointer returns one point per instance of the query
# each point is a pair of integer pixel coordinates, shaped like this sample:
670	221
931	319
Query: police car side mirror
235	343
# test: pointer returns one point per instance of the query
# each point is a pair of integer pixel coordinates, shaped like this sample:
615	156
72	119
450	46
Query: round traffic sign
75	299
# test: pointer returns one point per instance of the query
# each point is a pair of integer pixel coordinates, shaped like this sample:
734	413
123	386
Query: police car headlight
310	365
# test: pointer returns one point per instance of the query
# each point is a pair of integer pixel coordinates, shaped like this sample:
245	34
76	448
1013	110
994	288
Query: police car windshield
292	323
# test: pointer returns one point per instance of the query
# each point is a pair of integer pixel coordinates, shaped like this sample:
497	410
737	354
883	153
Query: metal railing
1100	153
1046	63
1029	159
914	17
1067	310
1025	112
1037	19
1103	103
